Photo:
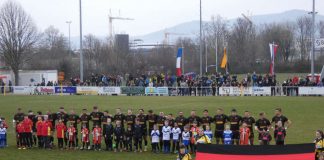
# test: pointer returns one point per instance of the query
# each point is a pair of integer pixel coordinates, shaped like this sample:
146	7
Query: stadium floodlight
81	52
200	40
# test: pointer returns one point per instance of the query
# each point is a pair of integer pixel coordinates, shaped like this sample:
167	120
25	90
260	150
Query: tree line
23	46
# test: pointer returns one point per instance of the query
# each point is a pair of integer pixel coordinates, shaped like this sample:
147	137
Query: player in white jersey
155	135
186	137
166	136
176	132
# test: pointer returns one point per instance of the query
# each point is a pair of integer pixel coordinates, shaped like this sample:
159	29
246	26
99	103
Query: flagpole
182	60
200	39
216	54
206	54
273	65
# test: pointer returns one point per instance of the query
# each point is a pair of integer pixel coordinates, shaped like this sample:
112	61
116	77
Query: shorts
144	131
186	142
236	135
251	135
219	134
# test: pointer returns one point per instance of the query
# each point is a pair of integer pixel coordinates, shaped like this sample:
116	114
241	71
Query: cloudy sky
149	15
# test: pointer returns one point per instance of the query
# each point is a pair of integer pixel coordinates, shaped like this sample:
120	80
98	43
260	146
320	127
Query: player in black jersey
143	122
181	120
170	119
235	123
152	120
85	118
249	120
262	125
62	115
130	118
220	120
105	118
119	116
279	117
96	116
206	120
193	118
18	117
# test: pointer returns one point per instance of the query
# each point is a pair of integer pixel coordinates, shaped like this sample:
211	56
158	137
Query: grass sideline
306	114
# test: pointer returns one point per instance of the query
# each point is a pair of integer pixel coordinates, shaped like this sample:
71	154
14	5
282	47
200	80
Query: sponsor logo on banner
235	91
87	90
109	90
40	89
65	90
23	89
151	90
157	90
163	90
261	90
133	90
311	90
224	90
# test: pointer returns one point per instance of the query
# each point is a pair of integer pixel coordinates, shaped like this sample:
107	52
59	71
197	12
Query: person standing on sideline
235	123
220	120
155	135
143	122
286	123
245	134
319	144
176	132
60	132
166	137
262	125
280	133
249	120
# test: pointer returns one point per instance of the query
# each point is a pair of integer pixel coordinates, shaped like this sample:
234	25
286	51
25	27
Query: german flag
270	152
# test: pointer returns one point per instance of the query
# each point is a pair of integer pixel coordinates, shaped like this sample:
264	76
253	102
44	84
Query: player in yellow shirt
183	154
319	144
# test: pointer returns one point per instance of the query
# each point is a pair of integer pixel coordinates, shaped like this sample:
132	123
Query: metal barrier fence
163	91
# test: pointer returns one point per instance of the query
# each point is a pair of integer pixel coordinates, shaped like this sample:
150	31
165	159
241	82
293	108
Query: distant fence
163	91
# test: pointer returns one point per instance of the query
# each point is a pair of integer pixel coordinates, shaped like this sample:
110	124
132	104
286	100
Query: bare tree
304	34
18	35
242	46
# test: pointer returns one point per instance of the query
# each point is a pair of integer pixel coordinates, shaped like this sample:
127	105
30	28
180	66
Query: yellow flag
224	60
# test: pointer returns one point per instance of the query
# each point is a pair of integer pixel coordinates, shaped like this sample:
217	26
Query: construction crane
247	18
168	34
111	18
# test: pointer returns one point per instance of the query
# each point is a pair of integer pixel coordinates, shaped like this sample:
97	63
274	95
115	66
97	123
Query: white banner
44	89
88	90
235	91
319	43
261	90
157	90
109	90
311	90
23	89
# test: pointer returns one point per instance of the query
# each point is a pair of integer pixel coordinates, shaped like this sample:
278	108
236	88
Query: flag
178	65
322	73
273	52
224	60
267	152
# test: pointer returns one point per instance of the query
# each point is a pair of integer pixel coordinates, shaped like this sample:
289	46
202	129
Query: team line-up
121	132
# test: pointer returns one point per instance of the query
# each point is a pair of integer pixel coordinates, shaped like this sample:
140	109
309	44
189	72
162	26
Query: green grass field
306	114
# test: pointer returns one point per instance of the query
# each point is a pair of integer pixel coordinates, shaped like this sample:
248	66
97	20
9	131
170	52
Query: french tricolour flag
178	65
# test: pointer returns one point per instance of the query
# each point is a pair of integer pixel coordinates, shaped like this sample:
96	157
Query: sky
149	15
